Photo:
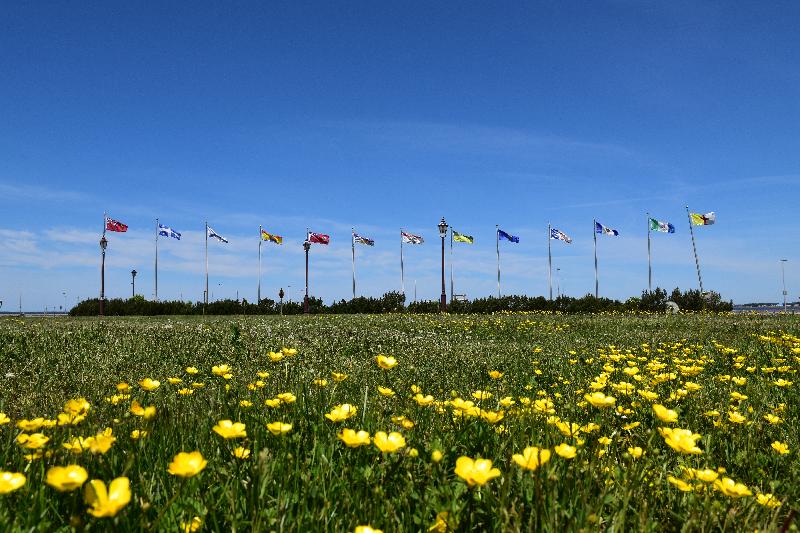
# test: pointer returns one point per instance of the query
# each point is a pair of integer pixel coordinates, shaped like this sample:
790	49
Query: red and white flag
115	225
318	238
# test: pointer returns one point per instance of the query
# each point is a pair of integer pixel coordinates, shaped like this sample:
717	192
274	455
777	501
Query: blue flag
503	235
599	228
164	231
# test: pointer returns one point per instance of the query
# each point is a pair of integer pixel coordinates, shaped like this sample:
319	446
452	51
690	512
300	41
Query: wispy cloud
14	191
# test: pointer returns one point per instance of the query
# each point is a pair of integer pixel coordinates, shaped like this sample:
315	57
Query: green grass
308	480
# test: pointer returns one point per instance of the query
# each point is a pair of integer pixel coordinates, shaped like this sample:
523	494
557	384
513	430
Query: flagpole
402	273
451	265
694	248
549	260
497	245
649	264
205	297
260	229
596	279
156	296
353	246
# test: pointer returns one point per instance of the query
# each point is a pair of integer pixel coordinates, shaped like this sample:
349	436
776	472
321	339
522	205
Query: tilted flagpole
549	260
260	238
156	296
205	297
353	246
497	244
402	273
694	248
649	264
596	279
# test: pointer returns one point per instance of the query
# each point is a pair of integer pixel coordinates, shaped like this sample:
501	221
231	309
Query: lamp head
103	242
443	228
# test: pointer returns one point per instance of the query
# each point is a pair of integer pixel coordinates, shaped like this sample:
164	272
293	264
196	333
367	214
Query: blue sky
376	116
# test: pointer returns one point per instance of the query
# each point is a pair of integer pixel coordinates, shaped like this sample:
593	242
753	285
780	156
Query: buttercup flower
193	525
681	440
187	464
707	475
389	443
241	453
353	438
341	412
475	471
664	414
66	478
680	484
566	451
768	500
635	452
495	374
286	397
600	400
230	430
386	391
780	447
149	384
423	400
532	457
729	487
386	362
279	428
366	529
145	412
191	370
220	370
109	501
436	456
4	419
34	441
10	481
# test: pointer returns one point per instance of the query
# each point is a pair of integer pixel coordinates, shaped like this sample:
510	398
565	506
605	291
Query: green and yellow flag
458	237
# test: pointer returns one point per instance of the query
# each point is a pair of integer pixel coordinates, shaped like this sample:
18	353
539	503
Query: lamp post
281	295
307	247
103	245
133	283
64	294
558	282
783	280
443	234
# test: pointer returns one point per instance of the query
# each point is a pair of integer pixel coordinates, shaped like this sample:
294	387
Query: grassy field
581	417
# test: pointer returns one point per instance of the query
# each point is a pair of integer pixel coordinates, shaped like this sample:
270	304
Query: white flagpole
596	279
259	263
451	265
649	264
694	248
402	274
549	260
353	246
156	295
205	298
497	244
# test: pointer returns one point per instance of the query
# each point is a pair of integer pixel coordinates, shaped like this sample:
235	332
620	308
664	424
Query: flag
459	237
663	227
362	240
115	225
164	231
503	235
215	235
277	239
560	236
703	220
410	238
599	228
318	238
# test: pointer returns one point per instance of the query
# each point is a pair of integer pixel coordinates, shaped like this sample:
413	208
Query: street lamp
443	234
64	294
133	283
558	282
783	279
307	247
103	245
281	295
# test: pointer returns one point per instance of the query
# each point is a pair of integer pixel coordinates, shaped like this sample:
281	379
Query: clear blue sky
378	115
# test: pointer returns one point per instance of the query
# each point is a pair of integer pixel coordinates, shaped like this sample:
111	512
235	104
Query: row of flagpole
110	224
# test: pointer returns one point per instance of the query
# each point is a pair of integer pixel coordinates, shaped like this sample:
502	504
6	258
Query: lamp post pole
783	280
306	247
443	234
103	245
133	283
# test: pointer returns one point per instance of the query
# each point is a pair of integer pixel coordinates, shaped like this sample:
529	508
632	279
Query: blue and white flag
213	234
164	231
503	235
560	236
599	228
362	240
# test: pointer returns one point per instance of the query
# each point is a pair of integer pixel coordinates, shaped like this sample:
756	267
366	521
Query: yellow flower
107	502
34	441
288	352
600	400
680	484
635	452
436	456
386	391
31	425
481	395
286	397
772	419
780	447
566	451
70	419
353	438
275	357
196	385
493	417
389	443
185	392
423	400
508	401
475	472
230	430
220	370
10	481
241	453
187	464
632	425
101	442
149	384
192	526
366	529
4	419
138	434
191	370
174	381
495	374
386	362
272	402
146	412
279	428
321	382
341	412
707	475
77	406
123	387
441	525
681	440
664	414
605	441
532	457
338	376
245	403
729	487
403	421
66	478
262	374
768	500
